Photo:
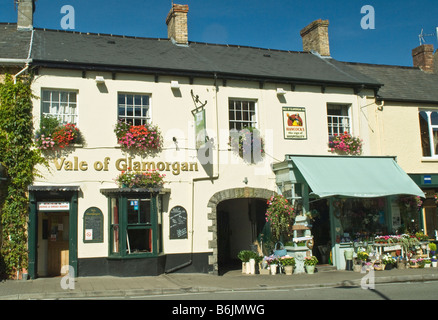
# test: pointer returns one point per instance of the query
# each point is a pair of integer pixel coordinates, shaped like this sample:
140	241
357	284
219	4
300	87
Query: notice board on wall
178	223
93	225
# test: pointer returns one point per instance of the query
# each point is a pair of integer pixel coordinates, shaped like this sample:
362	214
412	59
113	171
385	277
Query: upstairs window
134	108
338	119
429	133
242	114
60	104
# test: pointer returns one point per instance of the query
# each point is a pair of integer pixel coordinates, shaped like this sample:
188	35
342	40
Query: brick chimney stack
176	22
423	58
25	11
315	37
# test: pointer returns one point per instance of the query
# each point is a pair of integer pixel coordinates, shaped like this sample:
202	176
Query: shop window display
361	218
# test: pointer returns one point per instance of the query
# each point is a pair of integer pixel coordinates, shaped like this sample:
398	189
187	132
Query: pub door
58	243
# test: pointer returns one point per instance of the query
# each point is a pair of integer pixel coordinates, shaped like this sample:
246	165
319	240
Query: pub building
213	200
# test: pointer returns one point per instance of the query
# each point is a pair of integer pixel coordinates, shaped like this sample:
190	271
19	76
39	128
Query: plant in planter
151	179
142	138
434	261
362	256
288	263
427	262
388	261
432	248
310	263
281	216
54	135
272	262
345	143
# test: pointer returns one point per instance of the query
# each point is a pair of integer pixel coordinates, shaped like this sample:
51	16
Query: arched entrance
237	215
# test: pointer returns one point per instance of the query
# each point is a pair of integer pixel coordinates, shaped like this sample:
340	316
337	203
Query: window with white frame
338	119
134	108
60	104
242	114
429	132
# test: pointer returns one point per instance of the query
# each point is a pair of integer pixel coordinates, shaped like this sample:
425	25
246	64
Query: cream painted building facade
213	202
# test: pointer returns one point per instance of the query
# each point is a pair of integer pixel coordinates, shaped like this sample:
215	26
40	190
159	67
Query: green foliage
246	255
19	158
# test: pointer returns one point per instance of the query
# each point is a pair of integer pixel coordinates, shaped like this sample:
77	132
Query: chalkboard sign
93	225
178	223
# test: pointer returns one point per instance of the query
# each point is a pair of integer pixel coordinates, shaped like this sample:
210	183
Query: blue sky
273	24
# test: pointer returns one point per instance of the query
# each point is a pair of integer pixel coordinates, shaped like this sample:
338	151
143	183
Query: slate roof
67	49
160	56
14	44
407	84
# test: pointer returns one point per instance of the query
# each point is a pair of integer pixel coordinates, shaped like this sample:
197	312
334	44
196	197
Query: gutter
28	60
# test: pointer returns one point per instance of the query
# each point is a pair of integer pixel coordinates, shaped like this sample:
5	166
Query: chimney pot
422	57
177	23
25	12
315	37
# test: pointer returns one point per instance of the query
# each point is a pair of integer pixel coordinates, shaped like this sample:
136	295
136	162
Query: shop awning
363	177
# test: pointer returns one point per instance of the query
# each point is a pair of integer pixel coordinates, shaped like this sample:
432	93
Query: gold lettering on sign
125	164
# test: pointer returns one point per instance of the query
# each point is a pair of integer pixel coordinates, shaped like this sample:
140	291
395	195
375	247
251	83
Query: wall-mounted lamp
281	91
174	84
100	79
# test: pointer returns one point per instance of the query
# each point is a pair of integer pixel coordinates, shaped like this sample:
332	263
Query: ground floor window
135	225
361	218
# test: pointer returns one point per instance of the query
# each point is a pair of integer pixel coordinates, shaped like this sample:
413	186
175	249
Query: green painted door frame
34	197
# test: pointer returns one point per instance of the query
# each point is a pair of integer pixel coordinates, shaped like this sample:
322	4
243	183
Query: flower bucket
310	269
434	264
273	268
288	270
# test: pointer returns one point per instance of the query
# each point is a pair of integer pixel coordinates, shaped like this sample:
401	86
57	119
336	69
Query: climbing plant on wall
19	158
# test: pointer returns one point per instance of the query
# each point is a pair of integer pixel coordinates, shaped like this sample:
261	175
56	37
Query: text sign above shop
294	123
53	206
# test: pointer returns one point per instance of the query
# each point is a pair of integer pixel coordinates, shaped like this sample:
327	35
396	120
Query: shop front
351	199
429	214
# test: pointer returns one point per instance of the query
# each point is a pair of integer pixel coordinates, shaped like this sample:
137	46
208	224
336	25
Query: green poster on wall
200	132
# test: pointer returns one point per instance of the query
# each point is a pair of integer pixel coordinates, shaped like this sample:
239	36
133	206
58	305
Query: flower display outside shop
54	135
281	216
141	138
136	179
345	143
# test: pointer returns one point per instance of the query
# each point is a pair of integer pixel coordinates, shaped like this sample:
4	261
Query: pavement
105	287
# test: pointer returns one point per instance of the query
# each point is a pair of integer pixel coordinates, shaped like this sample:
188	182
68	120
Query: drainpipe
215	177
28	59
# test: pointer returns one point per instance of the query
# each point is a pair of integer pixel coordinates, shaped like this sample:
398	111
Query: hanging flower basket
248	144
346	144
53	135
151	179
141	138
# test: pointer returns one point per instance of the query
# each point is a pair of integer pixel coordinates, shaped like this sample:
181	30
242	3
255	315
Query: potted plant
288	264
272	261
434	261
427	263
244	256
432	248
388	261
310	263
